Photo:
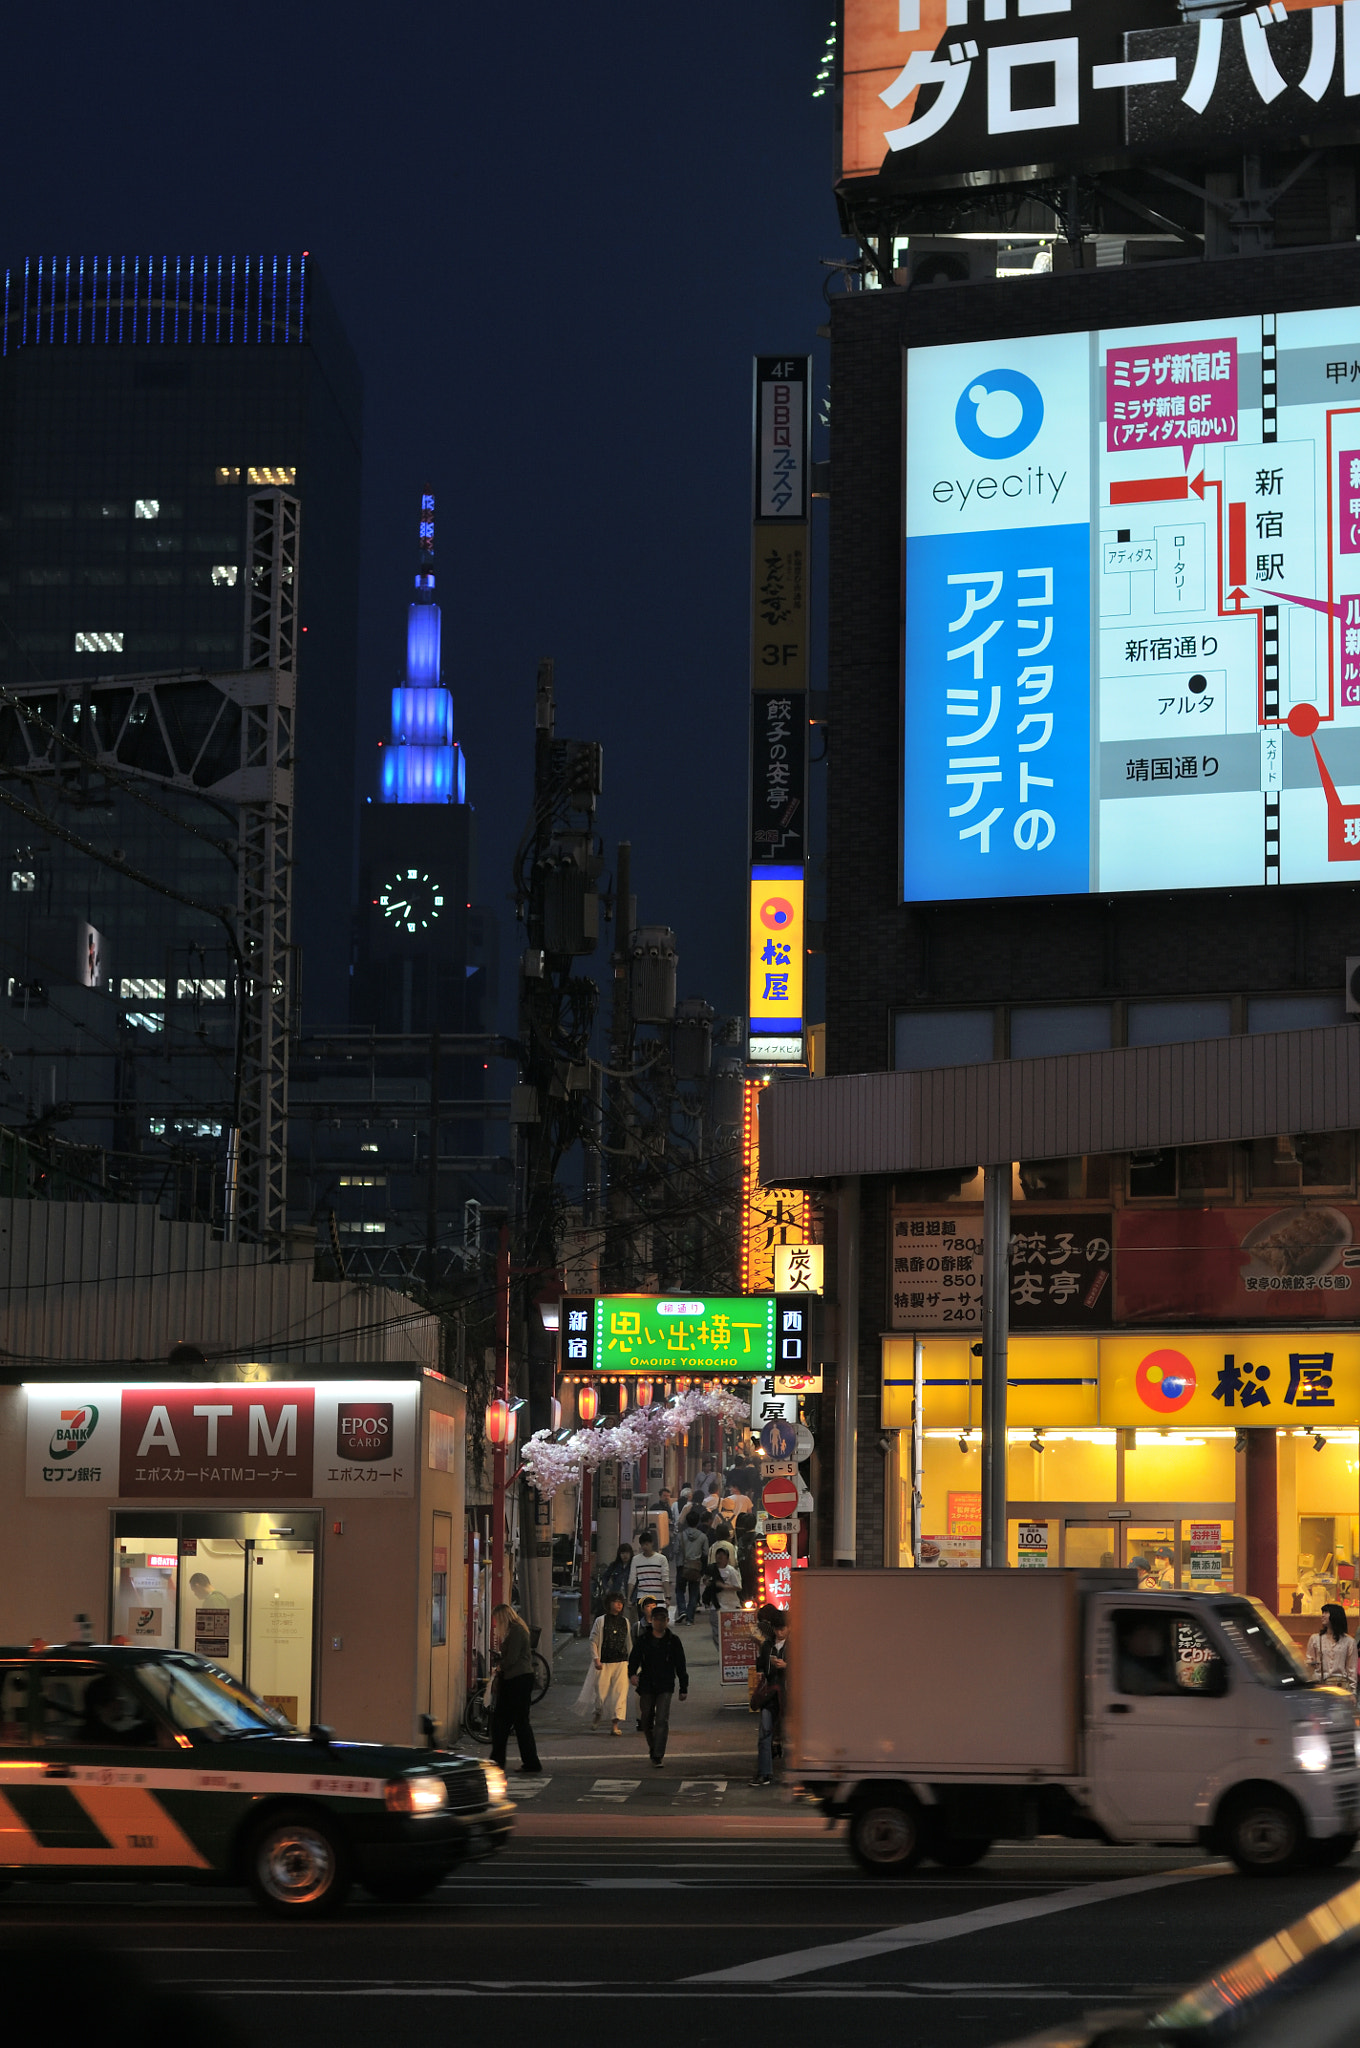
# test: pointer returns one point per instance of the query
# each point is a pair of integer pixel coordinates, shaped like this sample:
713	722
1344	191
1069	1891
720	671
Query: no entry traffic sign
779	1498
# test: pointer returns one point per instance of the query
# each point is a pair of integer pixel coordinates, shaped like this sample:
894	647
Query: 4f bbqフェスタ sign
283	1441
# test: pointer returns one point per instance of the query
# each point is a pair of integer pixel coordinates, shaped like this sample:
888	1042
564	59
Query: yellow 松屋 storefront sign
1246	1380
1251	1379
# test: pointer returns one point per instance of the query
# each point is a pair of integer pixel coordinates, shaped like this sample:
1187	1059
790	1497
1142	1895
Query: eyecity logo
73	1431
999	414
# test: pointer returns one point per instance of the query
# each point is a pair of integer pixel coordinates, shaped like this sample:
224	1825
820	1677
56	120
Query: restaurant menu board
1032	1546
1061	1268
1206	1555
951	1553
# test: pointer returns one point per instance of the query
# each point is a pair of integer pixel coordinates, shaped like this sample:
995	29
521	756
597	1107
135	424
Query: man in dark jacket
657	1663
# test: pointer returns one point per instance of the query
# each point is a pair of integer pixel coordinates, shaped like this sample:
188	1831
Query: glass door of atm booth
1185	1549
237	1589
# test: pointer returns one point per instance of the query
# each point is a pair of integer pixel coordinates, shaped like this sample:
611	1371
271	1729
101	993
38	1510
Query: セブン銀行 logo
75	1427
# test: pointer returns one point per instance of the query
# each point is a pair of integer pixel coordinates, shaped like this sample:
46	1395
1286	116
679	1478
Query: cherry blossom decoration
552	1465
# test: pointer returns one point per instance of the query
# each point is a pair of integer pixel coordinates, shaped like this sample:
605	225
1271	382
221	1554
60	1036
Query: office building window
197	988
1060	1027
146	1020
227	476
224	573
99	643
1295	1013
1177	1023
942	1038
280	473
23	881
362	1229
146	508
138	989
363	1180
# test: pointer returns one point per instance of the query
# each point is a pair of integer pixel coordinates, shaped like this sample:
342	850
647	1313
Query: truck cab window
1164	1655
1263	1645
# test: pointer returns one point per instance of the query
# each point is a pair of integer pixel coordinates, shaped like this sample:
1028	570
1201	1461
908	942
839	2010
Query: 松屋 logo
75	1427
999	413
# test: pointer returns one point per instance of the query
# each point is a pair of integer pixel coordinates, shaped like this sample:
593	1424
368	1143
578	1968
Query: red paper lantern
587	1404
623	1397
644	1393
499	1428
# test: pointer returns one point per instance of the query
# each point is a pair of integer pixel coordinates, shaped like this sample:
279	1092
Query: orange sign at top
878	43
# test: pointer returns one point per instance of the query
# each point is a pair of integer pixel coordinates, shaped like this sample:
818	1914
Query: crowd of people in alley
694	1558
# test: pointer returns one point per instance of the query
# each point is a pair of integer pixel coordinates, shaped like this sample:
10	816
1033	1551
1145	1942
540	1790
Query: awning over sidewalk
1132	1099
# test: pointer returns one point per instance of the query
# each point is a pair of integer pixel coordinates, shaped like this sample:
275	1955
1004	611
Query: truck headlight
416	1795
498	1785
1312	1751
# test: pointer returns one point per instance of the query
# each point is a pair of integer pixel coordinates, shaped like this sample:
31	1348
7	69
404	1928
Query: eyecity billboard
1132	639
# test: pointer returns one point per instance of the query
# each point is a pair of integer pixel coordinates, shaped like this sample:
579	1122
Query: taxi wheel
298	1866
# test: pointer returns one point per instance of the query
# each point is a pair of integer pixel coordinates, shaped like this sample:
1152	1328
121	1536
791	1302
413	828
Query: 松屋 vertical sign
781	423
770	1217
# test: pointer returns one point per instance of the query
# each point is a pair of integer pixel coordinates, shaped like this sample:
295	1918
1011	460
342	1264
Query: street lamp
587	1404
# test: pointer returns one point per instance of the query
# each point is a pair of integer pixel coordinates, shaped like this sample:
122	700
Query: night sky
556	235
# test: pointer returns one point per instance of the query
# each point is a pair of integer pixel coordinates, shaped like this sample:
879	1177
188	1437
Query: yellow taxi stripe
137	1827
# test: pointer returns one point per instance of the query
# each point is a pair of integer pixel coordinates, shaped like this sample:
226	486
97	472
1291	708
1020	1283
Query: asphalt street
685	1889
566	1934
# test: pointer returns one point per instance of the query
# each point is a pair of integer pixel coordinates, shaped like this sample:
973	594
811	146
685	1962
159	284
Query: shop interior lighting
1240	1440
1319	1443
963	1445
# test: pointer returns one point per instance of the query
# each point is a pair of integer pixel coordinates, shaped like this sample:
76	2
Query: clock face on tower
412	900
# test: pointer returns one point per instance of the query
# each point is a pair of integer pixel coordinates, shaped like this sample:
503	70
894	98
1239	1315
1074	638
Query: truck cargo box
936	1672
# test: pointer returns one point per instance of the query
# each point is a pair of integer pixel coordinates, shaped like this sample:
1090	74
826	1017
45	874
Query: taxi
155	1764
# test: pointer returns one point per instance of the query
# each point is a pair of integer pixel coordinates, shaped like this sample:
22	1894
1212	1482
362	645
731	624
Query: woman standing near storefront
1331	1652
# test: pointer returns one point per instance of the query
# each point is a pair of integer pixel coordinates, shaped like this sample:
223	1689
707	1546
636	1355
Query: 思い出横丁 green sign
679	1334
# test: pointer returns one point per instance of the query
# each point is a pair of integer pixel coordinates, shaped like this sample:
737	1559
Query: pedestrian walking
691	1556
772	1664
614	1577
1331	1652
611	1644
513	1657
722	1586
649	1575
656	1666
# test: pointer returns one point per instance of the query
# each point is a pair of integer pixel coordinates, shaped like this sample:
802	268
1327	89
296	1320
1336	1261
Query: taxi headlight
1312	1751
498	1785
416	1795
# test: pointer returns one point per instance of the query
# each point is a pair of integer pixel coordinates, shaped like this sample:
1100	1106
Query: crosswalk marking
529	1789
607	1785
695	1788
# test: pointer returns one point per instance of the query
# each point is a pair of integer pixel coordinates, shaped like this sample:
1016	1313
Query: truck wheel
298	1866
1263	1833
887	1835
1333	1849
960	1852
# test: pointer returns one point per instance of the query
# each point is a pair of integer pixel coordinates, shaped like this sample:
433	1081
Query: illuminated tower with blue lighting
415	969
423	763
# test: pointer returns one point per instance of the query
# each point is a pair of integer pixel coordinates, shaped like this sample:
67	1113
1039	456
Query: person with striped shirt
650	1573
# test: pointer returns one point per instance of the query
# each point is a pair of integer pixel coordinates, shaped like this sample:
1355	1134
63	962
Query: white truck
944	1710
